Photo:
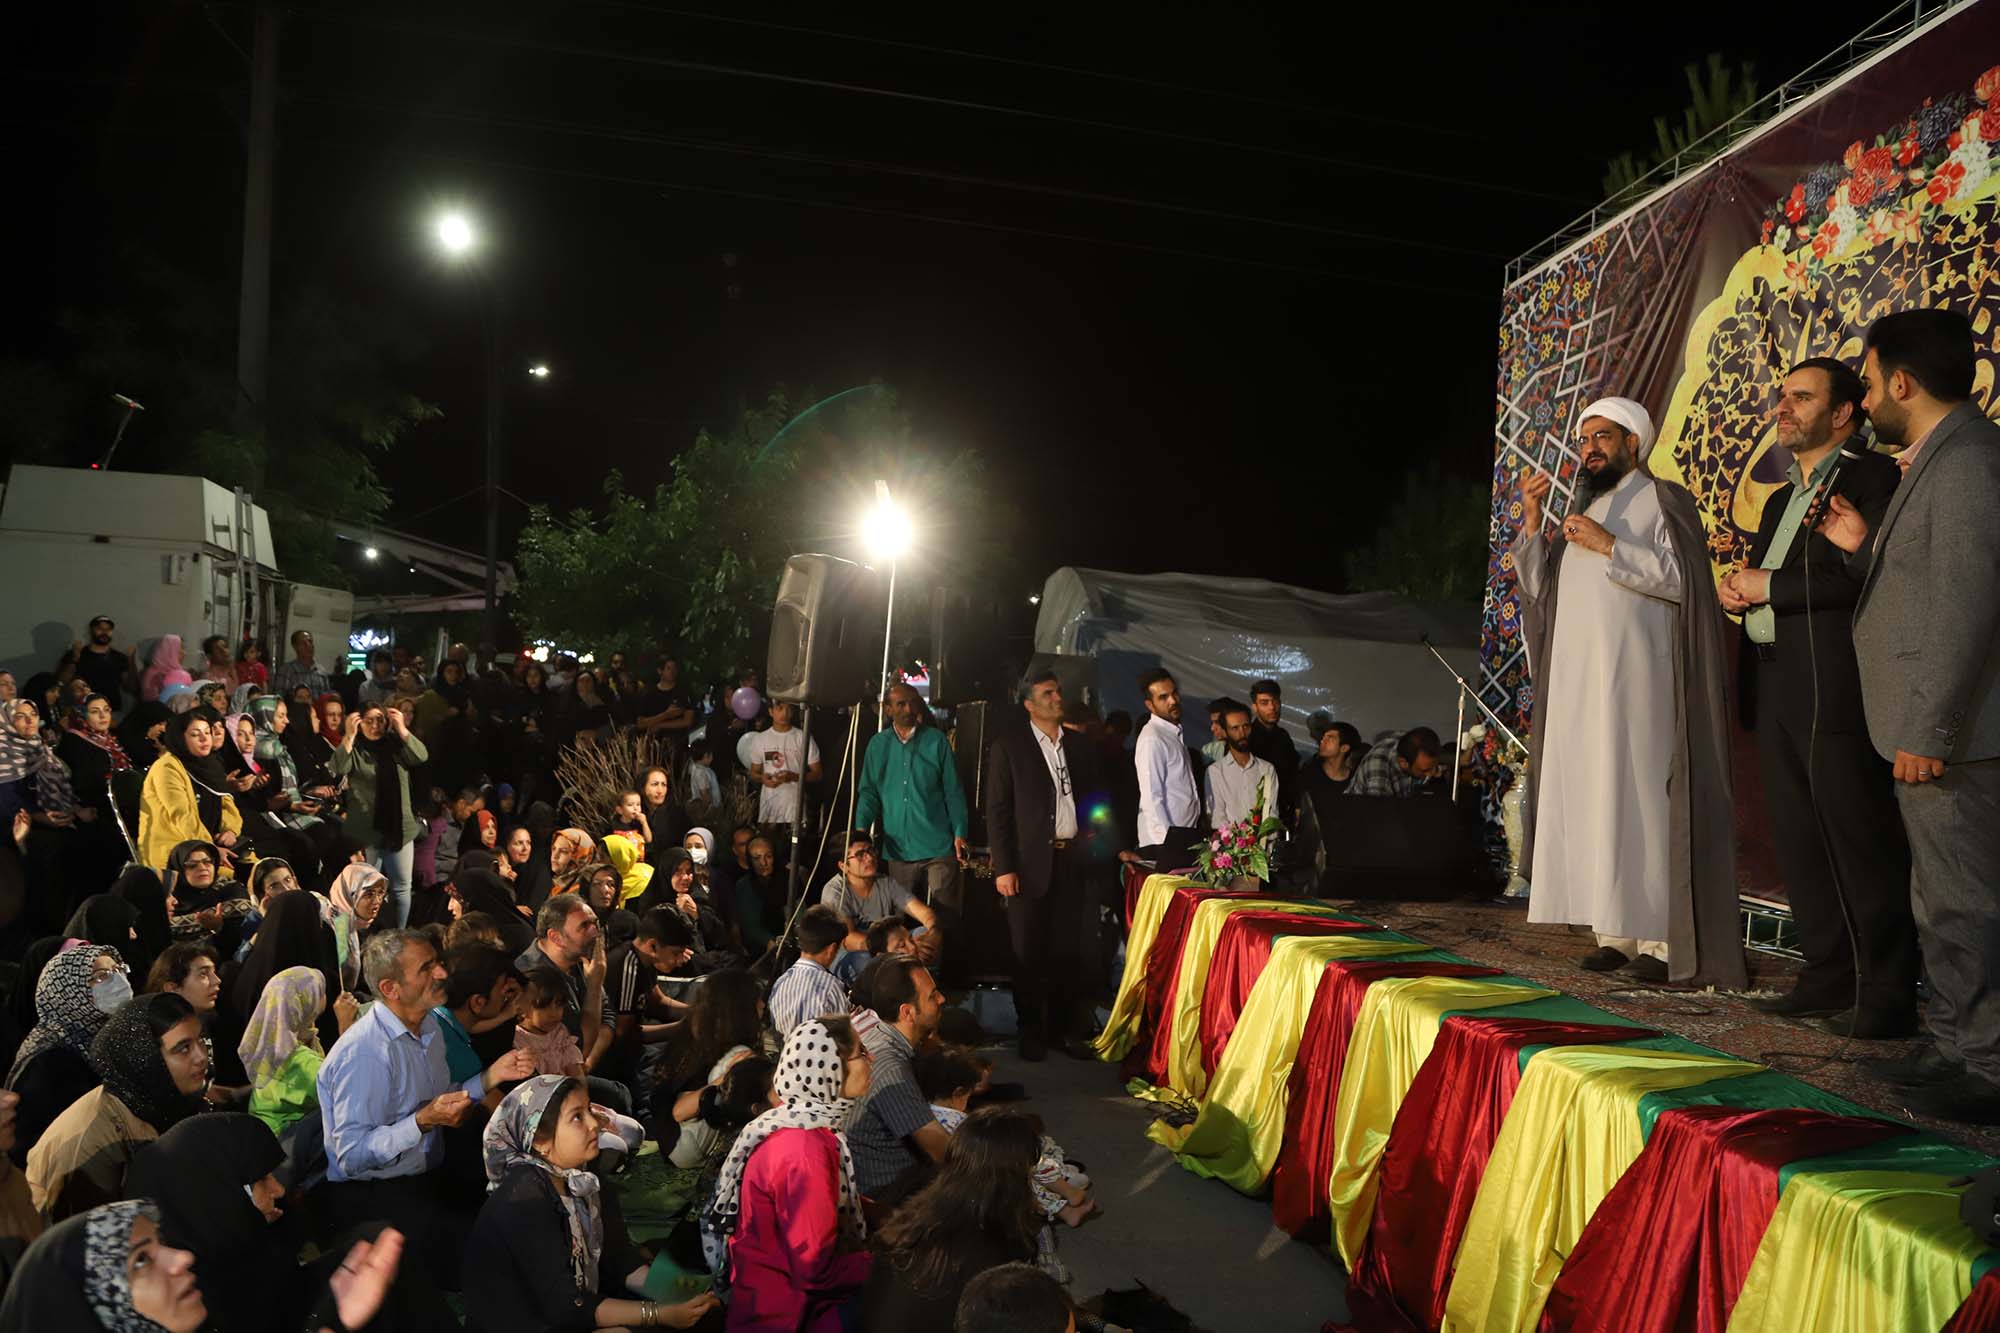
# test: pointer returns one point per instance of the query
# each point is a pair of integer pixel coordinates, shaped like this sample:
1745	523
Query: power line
572	173
884	168
895	94
1016	62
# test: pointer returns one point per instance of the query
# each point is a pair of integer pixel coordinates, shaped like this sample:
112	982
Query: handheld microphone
1816	511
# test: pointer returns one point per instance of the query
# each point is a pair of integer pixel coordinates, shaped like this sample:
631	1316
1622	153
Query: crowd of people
325	1017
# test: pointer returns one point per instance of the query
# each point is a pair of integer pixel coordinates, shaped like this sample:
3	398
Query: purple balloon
745	702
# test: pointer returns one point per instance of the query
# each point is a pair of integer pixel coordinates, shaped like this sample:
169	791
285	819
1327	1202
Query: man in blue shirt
385	1095
909	782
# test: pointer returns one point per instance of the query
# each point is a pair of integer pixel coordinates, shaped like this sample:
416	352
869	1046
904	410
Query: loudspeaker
950	612
826	632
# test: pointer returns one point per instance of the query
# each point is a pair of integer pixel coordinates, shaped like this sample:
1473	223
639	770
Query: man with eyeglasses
1630	822
1043	810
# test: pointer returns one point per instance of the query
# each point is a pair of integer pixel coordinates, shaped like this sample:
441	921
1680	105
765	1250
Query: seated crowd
324	1019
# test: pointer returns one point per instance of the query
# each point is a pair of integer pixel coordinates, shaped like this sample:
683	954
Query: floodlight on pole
538	371
455	234
887	534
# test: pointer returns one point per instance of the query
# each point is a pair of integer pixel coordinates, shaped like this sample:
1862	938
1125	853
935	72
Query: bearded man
1629	820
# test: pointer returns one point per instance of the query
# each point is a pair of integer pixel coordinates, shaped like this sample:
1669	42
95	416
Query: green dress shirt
1759	621
912	787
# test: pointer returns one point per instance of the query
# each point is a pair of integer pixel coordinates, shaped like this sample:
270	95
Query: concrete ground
1210	1251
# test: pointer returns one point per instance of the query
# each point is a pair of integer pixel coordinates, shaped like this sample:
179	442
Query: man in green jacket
909	784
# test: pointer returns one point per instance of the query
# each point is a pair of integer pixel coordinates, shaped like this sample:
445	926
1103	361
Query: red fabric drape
1981	1311
1305	1162
1241	952
1148	1056
1436	1157
1135	881
1667	1250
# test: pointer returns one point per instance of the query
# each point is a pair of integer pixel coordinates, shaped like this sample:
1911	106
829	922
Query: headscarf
210	778
808	1080
103	919
165	668
287	1018
1627	413
239	700
481	889
343	893
230	730
73	1276
270	746
509	1141
579	844
634	874
79	725
139	887
27	756
187	898
487	820
65	1015
327	731
125	1054
707	840
292	935
200	1171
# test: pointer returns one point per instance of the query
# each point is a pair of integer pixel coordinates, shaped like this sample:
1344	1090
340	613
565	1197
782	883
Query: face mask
112	992
699	855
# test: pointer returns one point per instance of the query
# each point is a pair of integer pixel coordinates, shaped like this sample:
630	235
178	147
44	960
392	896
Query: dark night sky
1240	409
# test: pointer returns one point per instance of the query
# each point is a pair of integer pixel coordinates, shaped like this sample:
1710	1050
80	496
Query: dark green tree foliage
695	565
335	404
1431	542
1719	94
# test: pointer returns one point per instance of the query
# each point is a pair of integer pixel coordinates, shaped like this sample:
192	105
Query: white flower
1976	157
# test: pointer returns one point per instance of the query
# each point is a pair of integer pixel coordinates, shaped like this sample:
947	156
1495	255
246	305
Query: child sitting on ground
630	820
949	1078
540	1032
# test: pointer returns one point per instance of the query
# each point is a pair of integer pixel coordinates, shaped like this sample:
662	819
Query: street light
886	532
458	238
538	371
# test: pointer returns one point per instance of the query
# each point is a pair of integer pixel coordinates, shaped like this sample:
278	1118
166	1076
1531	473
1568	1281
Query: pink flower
1223	861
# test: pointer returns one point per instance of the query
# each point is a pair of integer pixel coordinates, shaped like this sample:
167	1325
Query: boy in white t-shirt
778	759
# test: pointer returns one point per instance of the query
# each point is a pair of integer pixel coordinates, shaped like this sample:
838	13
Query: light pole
887	534
458	239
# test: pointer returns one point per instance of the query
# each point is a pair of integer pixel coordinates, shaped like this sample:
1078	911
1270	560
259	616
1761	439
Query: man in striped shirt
809	989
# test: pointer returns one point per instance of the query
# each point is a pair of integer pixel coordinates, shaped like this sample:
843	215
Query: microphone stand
1465	691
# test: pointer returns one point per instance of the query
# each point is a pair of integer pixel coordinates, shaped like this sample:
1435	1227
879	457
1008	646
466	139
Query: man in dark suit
1834	824
1927	637
1039	794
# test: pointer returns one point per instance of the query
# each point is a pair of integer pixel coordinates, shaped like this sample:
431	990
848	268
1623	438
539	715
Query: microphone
1817	509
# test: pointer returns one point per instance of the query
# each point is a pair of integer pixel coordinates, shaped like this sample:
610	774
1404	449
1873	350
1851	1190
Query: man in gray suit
1927	637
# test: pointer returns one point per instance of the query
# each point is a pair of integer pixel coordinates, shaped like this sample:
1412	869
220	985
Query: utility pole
253	313
491	630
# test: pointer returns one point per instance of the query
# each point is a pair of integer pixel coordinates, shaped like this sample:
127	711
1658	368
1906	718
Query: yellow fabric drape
1130	1004
1877	1250
1236	1137
1571	1132
1393	1034
1184	1069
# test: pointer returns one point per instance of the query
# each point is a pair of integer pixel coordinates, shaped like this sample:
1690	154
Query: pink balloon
745	703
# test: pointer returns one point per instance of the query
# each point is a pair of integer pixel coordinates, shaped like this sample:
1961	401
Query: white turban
1626	413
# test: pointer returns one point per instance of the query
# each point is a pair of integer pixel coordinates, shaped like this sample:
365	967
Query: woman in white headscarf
784	1232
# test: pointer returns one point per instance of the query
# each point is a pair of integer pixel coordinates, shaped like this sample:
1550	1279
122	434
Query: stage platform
1489	1138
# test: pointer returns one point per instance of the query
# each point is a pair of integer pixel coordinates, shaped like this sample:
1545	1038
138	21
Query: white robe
1602	816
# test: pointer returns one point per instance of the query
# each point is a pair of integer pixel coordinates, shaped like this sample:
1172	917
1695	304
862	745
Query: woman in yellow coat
186	797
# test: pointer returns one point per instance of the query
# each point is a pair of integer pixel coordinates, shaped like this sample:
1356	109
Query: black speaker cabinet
971	737
826	632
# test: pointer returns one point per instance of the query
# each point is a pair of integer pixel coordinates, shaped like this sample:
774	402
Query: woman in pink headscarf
165	669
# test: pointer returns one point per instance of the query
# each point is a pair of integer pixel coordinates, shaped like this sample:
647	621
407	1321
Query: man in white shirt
1169	797
778	759
1239	780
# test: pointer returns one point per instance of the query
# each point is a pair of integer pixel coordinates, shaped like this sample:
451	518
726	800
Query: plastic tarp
1360	657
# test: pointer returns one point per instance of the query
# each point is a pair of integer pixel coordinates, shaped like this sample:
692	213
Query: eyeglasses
194	861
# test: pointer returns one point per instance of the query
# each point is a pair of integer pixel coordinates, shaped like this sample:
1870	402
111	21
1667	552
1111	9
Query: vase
1513	825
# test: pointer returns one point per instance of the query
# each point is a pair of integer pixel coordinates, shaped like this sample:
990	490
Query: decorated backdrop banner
1876	194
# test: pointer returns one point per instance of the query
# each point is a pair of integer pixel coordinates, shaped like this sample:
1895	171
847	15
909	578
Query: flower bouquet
1236	850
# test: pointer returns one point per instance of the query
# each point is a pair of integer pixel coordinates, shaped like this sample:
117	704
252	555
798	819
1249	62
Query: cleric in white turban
1630	824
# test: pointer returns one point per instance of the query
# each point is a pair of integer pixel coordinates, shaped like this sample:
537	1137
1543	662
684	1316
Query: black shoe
1605	959
1869	1024
1646	968
1922	1067
1078	1048
1796	1005
1034	1047
1967	1098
